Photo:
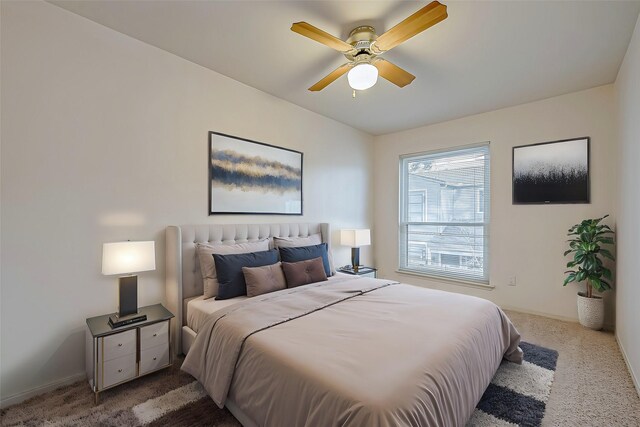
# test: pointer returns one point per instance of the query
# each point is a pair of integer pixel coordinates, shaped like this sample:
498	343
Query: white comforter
362	352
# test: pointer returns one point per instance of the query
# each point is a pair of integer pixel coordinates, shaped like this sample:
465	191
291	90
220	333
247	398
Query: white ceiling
484	56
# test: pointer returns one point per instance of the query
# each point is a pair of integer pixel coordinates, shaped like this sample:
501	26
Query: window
444	214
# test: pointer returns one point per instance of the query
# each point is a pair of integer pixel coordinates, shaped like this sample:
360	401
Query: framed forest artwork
552	172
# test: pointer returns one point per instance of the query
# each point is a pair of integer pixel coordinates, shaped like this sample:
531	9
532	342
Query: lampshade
362	76
128	257
355	238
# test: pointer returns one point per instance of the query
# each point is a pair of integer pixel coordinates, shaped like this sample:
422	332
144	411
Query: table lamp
355	239
126	258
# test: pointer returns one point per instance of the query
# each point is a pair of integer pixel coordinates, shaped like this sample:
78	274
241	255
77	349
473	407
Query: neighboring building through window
417	205
444	210
480	200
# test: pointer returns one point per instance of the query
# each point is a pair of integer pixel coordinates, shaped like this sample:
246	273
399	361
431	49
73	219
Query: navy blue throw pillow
303	253
229	270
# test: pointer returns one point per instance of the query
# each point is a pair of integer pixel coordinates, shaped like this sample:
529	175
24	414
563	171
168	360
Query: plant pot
591	311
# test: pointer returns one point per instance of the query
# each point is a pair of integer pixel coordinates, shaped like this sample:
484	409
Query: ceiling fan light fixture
362	76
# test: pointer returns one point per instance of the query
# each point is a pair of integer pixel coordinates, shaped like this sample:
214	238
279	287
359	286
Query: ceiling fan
363	49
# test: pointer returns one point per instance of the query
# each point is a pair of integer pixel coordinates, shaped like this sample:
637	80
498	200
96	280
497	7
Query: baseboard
606	327
538	313
634	378
20	397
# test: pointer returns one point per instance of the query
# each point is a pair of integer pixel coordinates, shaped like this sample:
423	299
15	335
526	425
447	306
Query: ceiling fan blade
426	17
393	73
330	78
320	36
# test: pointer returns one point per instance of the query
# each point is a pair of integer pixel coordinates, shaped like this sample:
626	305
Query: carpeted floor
517	396
591	388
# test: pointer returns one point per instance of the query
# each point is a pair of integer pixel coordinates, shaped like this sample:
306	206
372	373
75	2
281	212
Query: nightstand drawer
119	345
154	335
118	370
154	358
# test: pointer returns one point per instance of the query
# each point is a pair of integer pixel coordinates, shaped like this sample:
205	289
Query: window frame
403	243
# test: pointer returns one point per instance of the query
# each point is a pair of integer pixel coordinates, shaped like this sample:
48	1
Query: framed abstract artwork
552	172
250	177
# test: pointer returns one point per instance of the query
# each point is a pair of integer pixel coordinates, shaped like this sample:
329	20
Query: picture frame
554	172
248	177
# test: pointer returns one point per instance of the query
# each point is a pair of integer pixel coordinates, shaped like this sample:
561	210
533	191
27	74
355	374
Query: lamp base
355	258
128	296
116	321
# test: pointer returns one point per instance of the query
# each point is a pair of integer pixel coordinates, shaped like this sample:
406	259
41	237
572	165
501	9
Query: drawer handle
120	345
119	370
154	358
155	335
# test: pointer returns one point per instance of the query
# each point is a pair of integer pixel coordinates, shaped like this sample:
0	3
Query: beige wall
525	241
104	138
628	294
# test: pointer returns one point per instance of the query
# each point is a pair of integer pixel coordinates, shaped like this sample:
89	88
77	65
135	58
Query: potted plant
586	244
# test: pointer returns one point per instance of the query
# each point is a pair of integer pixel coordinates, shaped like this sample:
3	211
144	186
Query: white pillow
208	267
295	242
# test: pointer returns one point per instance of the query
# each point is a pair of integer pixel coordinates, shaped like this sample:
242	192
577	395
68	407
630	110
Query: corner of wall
627	92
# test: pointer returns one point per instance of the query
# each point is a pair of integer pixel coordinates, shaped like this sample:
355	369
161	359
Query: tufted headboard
183	276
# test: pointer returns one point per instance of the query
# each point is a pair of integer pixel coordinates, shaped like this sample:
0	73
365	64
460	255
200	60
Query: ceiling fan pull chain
354	94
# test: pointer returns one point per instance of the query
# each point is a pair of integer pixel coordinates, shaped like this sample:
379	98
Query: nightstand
362	271
117	355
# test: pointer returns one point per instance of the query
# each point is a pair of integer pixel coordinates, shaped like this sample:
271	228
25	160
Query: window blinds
444	213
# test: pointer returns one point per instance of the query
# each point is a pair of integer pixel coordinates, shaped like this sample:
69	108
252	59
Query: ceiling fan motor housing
361	38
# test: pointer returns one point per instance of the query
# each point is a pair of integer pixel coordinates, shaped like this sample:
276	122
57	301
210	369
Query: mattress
199	309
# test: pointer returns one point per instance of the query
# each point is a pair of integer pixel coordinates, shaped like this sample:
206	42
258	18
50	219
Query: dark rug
518	394
516	397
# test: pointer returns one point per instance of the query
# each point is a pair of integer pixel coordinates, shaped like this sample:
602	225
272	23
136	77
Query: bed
183	276
349	351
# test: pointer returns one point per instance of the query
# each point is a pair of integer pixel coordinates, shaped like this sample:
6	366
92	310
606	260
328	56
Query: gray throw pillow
304	272
262	280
